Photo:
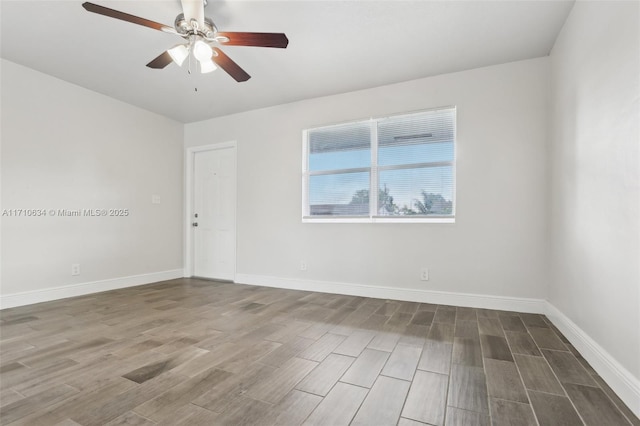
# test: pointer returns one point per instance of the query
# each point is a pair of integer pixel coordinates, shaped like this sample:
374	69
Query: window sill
311	219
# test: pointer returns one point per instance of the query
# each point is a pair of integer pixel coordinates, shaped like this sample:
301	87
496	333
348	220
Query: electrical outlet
155	199
424	274
75	269
303	265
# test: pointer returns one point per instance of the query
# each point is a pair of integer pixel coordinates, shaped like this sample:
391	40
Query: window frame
374	169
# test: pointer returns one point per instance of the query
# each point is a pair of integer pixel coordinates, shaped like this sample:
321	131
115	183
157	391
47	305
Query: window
410	159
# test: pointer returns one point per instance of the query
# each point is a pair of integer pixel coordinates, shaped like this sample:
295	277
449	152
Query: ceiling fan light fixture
202	51
179	53
207	66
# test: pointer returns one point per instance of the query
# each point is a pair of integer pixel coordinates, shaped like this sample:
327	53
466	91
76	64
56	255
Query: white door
214	214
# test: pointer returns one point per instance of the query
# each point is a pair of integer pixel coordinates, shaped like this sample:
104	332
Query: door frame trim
189	159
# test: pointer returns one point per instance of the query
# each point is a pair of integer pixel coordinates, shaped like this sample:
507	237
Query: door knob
194	224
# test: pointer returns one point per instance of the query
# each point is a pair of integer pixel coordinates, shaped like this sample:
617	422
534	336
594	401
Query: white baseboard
502	303
62	292
623	383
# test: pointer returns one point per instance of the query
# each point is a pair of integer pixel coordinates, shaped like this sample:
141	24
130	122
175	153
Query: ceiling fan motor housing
186	29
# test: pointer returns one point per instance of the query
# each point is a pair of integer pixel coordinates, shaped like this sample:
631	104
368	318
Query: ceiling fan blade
193	9
101	10
227	64
161	61
255	39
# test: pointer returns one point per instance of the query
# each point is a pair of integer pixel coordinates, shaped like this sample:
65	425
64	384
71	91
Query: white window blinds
409	159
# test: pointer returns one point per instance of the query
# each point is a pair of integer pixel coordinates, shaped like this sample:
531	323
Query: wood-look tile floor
193	352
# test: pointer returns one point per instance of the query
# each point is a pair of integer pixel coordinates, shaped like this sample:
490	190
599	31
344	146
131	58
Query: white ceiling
334	47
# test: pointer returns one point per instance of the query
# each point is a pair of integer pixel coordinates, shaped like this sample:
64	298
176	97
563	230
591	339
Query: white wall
595	170
65	147
496	246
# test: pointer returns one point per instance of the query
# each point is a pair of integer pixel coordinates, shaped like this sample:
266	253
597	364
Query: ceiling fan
201	38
